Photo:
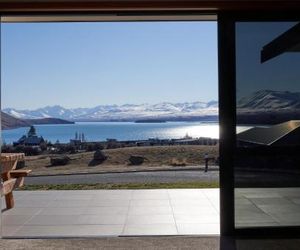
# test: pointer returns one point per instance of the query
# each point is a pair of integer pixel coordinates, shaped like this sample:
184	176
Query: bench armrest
19	173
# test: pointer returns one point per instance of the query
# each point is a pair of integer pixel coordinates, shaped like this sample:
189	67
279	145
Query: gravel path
133	177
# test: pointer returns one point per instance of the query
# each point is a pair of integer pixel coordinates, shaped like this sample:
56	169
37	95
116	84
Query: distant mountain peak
126	112
270	100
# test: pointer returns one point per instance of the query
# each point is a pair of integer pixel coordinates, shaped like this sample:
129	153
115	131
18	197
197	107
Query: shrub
62	149
7	149
98	146
136	160
94	146
178	162
29	150
20	148
43	146
59	161
72	149
98	158
112	145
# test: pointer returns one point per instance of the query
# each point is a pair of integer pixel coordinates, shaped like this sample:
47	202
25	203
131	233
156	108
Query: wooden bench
11	178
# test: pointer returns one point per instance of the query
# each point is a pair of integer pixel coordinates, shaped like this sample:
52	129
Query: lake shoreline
121	131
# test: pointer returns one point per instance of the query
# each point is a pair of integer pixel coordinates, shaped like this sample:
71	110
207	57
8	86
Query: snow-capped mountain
126	112
268	107
270	100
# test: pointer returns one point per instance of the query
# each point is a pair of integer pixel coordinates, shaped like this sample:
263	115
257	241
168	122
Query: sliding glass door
267	150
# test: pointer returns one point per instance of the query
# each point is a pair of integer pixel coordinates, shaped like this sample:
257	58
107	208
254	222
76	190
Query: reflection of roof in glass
267	136
289	41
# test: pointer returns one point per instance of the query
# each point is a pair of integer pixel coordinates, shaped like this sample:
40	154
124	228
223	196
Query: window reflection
267	160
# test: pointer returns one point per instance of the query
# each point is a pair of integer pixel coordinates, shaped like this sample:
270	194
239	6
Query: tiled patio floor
112	213
143	212
267	207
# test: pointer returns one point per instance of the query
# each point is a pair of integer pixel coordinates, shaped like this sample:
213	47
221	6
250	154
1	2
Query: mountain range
270	100
264	106
126	112
268	107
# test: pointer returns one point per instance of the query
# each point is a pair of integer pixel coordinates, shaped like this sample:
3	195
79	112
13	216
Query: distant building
111	140
31	139
188	141
283	134
79	138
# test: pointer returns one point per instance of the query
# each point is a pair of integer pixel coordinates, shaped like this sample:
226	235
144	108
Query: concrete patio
97	213
112	213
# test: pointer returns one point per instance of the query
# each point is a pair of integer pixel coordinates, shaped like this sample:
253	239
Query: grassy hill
10	122
156	157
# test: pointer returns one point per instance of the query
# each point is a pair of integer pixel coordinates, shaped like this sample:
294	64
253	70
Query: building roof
32	140
268	136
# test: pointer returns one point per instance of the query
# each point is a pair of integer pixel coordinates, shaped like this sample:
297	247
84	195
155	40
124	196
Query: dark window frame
227	120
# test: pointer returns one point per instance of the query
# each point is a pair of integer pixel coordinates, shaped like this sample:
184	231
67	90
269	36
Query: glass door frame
227	120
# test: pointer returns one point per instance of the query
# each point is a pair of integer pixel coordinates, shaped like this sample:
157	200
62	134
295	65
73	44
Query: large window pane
267	166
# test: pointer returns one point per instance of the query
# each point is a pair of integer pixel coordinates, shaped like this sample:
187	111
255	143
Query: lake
100	131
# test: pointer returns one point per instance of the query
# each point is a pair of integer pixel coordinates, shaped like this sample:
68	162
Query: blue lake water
99	131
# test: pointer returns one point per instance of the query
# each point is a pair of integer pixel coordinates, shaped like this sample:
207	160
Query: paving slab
112	213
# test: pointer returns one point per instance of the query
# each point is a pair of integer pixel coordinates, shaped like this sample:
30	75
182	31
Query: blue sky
280	73
90	64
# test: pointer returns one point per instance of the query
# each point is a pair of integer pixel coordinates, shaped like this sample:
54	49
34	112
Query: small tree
7	148
29	150
43	146
20	148
94	146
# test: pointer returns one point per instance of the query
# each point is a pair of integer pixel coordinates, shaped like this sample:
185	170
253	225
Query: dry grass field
156	157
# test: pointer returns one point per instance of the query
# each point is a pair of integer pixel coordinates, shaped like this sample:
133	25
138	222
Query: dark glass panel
267	159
